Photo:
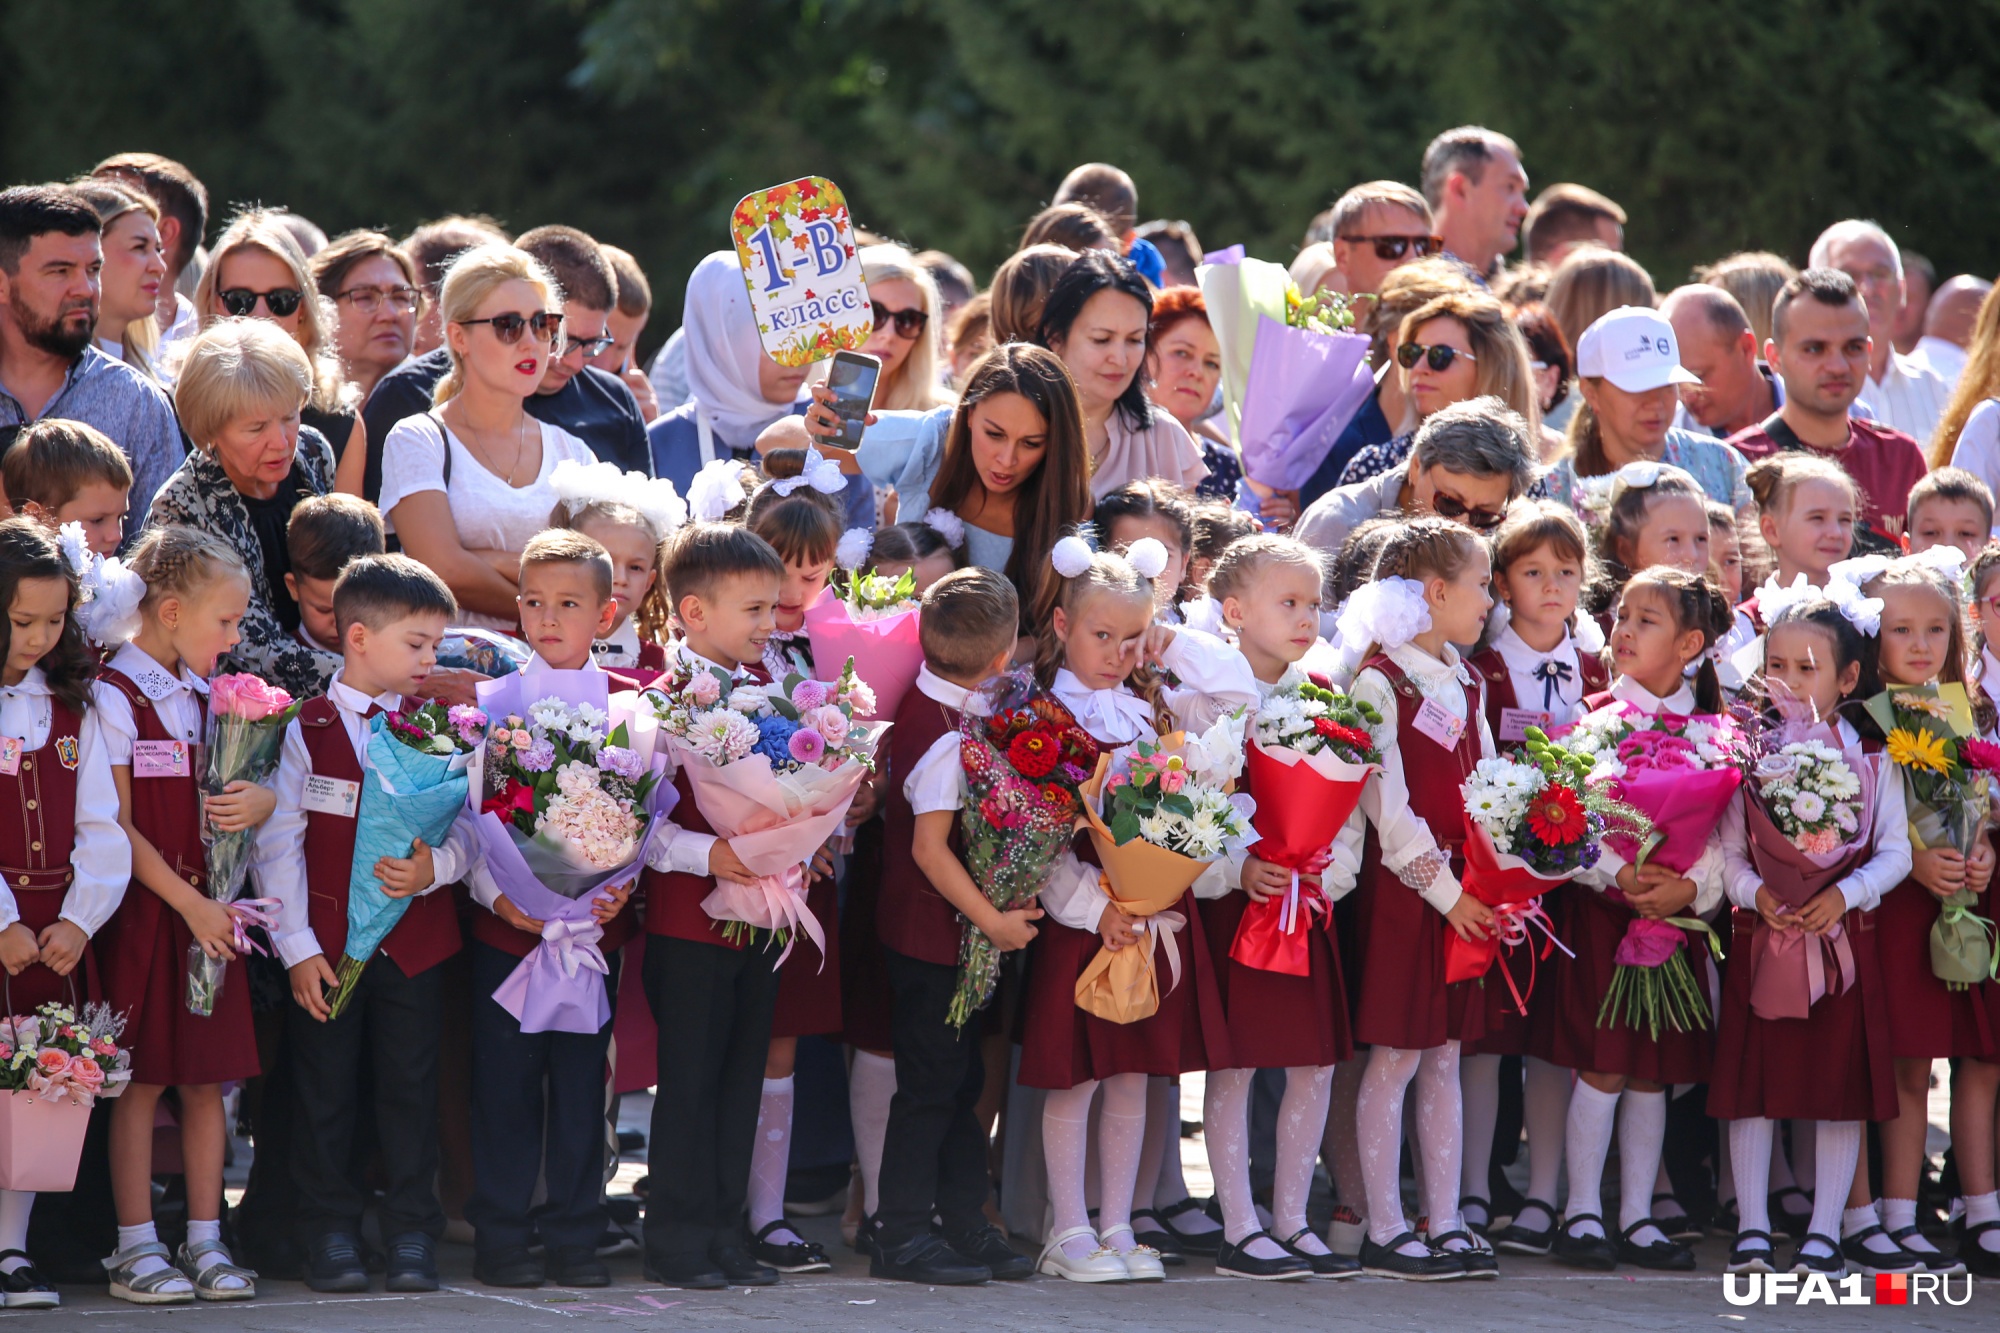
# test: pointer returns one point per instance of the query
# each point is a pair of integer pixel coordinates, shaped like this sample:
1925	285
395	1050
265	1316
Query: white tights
1226	1129
1378	1117
1121	1133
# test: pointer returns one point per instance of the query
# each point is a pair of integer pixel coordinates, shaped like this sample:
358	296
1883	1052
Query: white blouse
1550	682
1864	886
102	855
937	780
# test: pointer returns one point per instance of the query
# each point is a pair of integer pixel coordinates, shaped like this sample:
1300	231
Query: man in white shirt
1948	325
1905	394
1478	194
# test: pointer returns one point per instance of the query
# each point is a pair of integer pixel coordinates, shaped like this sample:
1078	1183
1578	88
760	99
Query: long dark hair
1088	274
1850	647
29	551
1056	495
1695	604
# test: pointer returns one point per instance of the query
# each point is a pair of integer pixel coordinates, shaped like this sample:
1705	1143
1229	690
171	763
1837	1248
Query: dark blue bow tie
1549	673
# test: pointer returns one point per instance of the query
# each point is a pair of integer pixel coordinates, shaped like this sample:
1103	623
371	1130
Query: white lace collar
1431	674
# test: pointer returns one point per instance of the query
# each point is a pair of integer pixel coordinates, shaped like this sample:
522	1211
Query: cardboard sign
796	244
161	759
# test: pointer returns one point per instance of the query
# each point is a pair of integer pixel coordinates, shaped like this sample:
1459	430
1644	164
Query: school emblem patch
66	751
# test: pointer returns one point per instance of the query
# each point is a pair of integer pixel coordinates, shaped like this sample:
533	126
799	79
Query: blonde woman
134	269
465	485
257	271
907	335
1968	435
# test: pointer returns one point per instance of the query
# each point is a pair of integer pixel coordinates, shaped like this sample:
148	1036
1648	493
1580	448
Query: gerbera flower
1918	750
1556	817
1929	705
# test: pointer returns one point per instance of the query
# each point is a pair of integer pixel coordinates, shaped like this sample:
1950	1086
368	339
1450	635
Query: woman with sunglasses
1452	348
258	271
465	485
906	337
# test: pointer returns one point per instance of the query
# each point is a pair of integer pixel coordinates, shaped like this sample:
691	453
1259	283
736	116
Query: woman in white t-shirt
1968	435
466	484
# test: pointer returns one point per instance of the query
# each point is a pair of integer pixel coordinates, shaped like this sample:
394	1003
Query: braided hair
1106	573
30	551
1695	604
1423	549
178	561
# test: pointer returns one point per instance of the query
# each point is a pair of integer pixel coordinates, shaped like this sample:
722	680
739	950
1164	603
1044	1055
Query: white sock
15	1206
1984	1208
1641	1132
1592	1117
1065	1150
1854	1221
1669	1209
1545	1109
770	1157
1750	1150
1479	1087
143	1234
1301	1125
1900	1213
197	1232
1440	1138
871	1085
1225	1128
1835	1152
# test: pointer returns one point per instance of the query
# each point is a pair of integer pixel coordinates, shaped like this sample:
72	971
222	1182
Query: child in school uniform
64	861
538	1097
390	613
1950	507
150	705
1099	651
933	1153
1151	508
1656	515
1537	671
1833	1065
629	515
323	534
1429	591
1268	590
1807	507
59	472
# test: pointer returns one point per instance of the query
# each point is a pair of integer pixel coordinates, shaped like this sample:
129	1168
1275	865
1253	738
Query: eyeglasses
509	327
588	346
909	323
282	302
367	300
1395	247
1449	506
1437	356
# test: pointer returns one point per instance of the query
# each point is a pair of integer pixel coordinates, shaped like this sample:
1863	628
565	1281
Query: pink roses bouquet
57	1054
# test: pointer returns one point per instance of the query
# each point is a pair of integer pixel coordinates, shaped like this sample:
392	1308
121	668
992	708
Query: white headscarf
723	350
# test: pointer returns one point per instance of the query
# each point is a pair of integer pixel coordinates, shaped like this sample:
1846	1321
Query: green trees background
1719	125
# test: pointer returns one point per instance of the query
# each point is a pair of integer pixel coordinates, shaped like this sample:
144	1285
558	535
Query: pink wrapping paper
40	1142
1684	804
886	652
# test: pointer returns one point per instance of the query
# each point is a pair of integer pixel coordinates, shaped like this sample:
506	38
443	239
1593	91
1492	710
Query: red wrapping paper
1505	884
1302	802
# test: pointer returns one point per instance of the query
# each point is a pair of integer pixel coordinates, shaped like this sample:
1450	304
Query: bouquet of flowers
1023	763
1158	816
1532	821
566	807
1308	762
1679	771
872	620
54	1065
246	734
774	769
1293	371
1933	740
414	785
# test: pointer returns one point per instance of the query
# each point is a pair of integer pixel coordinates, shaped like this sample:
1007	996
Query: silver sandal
206	1262
153	1287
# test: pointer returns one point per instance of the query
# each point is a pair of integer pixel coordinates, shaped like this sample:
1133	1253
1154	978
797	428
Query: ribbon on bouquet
569	947
1513	924
773	902
1788	968
1123	985
1959	939
259	912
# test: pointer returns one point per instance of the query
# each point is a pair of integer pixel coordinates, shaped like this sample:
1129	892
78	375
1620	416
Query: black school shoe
412	1263
1789	1222
1322	1265
1204	1243
577	1266
1832	1265
929	1260
1869	1262
1235	1261
335	1264
796	1256
1474	1258
509	1266
24	1288
1746	1258
1595	1253
1678	1225
1979	1261
741	1270
1662	1256
1389	1261
1516	1238
689	1272
985	1245
1148	1229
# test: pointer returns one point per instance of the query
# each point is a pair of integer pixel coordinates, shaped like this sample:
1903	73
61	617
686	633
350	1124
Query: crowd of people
372	471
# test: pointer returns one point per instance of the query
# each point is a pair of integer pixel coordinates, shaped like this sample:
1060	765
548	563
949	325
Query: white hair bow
1640	472
820	473
856	545
1944	559
579	485
1071	556
1858	570
1774	599
716	489
948	526
1864	613
1389	612
109	609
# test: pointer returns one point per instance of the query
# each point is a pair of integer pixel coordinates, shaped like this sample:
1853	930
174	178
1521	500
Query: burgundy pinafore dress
142	950
37	831
1400	996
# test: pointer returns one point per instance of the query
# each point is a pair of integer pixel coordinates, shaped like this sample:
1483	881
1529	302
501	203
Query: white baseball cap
1634	347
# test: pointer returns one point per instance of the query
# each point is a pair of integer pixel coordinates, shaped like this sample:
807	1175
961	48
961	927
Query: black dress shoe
985	1245
793	1256
412	1263
1979	1261
22	1288
1205	1243
1477	1261
929	1259
1593	1252
1485	1206
1389	1261
577	1266
1322	1265
1236	1261
689	1272
1515	1238
509	1266
1147	1229
1832	1265
740	1269
1662	1256
335	1264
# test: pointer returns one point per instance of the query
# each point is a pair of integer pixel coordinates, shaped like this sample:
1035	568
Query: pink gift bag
40	1142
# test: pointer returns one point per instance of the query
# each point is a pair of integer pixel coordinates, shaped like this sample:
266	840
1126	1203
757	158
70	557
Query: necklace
484	452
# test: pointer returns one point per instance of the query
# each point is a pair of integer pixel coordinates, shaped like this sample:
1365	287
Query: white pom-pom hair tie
1071	556
856	545
716	489
948	526
1388	612
1148	555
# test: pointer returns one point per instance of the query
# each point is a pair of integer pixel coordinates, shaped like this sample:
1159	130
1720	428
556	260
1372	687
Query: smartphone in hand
852	378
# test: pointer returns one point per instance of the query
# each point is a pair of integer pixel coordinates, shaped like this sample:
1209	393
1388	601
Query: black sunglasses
1437	355
282	302
1395	247
909	323
1458	511
588	346
509	327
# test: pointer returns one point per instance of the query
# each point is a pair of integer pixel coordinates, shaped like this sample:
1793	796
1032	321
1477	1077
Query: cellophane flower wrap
1933	741
566	806
1024	756
62	1054
773	769
246	735
1158	815
1679	770
1532	820
1309	758
872	621
414	782
1808	806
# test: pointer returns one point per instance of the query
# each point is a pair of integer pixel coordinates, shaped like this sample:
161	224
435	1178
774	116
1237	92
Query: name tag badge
10	755
331	796
1514	722
161	759
1436	722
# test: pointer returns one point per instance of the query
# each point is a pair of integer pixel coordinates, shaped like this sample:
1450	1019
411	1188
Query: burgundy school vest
1436	794
38	812
428	933
1492	668
911	916
166	810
